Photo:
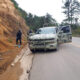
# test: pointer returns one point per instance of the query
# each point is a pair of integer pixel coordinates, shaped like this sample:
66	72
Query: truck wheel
57	46
32	50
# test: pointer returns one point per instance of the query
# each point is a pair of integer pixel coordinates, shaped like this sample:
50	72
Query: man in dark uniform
30	31
19	37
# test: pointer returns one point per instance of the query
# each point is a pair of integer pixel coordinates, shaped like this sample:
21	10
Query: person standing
19	37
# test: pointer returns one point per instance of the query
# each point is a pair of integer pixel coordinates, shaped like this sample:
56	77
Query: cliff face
10	23
7	6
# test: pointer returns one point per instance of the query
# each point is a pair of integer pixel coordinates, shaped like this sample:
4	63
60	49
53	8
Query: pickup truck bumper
48	46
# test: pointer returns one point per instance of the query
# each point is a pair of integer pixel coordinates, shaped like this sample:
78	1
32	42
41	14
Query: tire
57	46
32	50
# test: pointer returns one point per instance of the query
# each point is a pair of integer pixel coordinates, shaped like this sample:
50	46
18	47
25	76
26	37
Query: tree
75	10
33	21
36	22
66	6
49	20
29	19
71	10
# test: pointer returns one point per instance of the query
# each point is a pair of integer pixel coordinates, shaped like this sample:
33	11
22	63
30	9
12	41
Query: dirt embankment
10	23
20	67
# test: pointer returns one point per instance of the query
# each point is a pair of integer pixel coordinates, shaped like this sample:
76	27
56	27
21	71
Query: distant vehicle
50	37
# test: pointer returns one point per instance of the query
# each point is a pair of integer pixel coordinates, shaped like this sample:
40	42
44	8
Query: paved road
61	65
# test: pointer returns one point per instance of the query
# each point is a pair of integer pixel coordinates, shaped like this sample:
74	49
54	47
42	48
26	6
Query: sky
41	7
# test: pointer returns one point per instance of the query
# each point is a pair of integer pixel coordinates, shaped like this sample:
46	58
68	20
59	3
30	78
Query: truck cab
50	37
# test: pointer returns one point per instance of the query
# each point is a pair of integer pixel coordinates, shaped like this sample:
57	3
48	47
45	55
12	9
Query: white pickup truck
50	37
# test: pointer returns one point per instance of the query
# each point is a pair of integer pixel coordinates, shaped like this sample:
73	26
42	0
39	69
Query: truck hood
43	36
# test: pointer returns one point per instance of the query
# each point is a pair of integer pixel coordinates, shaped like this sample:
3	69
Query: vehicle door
66	34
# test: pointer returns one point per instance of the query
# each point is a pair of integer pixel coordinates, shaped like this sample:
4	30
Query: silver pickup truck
50	37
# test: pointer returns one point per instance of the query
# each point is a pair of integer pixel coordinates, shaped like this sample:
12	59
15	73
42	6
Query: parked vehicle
50	37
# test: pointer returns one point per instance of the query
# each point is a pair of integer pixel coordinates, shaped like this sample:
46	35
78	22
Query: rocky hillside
10	23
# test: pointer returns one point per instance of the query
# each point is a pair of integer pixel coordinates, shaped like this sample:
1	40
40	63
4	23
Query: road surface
61	65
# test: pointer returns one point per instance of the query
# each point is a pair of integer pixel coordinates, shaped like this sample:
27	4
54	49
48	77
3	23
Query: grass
76	32
10	40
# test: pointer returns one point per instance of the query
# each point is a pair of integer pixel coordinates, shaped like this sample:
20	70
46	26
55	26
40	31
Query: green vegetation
71	9
72	12
76	32
21	12
34	21
10	40
15	4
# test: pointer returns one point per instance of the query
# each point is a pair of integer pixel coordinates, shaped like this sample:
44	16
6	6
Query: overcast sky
41	7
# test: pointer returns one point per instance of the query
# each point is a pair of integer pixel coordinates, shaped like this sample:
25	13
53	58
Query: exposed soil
7	57
12	73
10	23
21	68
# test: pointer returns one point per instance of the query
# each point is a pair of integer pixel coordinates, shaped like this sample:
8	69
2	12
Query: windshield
46	31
